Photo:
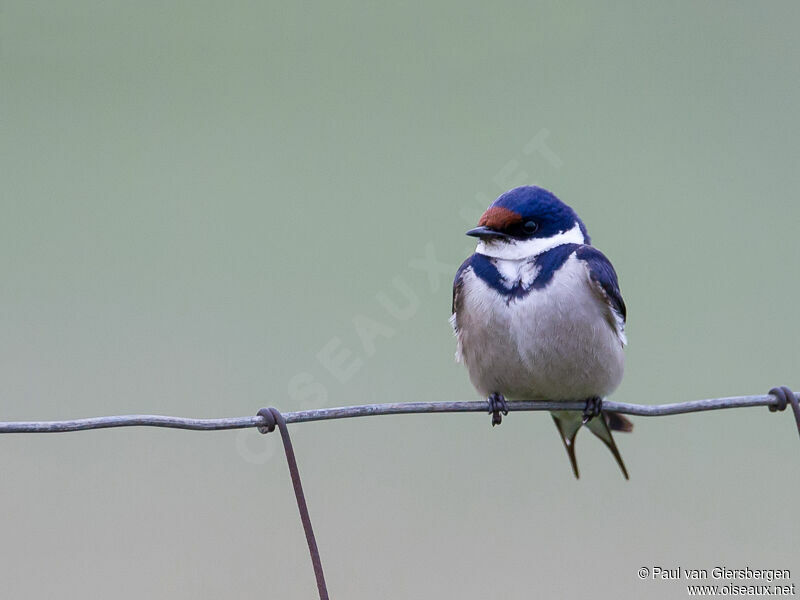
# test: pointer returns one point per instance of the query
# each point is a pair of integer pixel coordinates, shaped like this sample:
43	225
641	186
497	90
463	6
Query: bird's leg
497	405
593	408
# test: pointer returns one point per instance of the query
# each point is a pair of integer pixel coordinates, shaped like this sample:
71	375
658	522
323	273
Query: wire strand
268	418
368	410
272	417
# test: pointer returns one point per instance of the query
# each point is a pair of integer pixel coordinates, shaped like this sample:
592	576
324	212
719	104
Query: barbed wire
771	400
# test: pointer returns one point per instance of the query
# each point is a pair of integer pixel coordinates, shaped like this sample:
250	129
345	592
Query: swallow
538	315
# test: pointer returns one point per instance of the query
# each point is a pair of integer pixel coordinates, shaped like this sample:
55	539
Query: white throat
510	249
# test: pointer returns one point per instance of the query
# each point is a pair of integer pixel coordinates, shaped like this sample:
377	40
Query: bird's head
527	221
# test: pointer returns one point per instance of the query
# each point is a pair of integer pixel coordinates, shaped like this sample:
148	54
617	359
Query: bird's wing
458	294
458	284
603	277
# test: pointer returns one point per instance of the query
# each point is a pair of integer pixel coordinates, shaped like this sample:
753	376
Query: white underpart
557	343
511	249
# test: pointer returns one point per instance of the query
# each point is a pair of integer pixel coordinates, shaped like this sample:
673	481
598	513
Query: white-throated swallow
538	315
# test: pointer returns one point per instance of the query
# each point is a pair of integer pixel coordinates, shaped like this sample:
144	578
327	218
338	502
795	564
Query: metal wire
268	418
273	417
368	410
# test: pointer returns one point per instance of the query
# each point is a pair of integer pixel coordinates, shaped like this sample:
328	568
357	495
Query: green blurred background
199	199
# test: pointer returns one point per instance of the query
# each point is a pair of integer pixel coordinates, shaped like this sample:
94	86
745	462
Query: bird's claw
593	408
497	407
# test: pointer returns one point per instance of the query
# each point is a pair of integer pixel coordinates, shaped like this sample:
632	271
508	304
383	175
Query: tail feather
618	422
570	422
600	428
568	428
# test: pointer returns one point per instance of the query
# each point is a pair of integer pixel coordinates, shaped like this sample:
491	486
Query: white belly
553	344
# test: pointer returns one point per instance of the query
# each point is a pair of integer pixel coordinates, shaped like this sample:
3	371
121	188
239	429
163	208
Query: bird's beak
486	233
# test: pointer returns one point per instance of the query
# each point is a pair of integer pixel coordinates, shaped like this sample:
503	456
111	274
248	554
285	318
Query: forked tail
569	423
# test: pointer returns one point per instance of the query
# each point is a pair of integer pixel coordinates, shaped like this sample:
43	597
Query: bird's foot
593	408
497	406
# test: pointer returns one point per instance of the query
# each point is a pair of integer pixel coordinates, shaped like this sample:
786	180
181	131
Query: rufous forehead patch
499	218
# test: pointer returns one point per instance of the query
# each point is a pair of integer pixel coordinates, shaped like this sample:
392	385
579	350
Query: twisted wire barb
367	410
272	418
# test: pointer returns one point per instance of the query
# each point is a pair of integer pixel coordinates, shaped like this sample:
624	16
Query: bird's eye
530	227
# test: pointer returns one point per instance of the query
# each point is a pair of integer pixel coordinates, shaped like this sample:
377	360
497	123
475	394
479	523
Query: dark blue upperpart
542	206
603	274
